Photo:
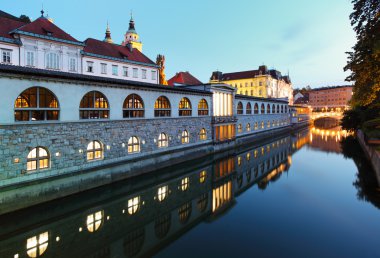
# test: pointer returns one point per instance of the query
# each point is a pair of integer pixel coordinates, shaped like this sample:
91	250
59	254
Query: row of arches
269	109
38	104
261	125
40	158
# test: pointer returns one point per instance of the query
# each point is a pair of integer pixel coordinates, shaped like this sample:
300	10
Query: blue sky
308	38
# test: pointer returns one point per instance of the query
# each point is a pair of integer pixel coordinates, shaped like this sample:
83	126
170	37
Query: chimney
129	45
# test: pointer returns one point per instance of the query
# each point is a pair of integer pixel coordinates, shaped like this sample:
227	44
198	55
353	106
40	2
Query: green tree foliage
364	61
25	18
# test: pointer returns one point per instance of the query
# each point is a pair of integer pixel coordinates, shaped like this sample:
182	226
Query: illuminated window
184	212
133	205
249	109
185	183
36	104
162	226
133	242
248	156
256	125
185	137
268	109
239	161
184	107
162	107
163	141
203	108
94	105
273	123
133	106
133	145
262	109
240	108
248	127
38	158
256	108
94	150
262	125
36	246
202	176
94	221
268	124
203	135
162	193
262	151
202	202
240	128
255	154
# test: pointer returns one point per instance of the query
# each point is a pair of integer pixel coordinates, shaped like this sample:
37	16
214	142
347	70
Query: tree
25	18
364	61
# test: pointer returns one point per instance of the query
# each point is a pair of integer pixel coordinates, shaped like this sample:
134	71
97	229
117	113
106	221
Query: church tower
131	37
108	35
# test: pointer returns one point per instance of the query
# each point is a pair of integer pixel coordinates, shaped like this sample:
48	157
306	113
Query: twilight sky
308	38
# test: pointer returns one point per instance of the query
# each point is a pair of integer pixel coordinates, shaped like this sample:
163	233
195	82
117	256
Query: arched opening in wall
202	202
185	137
249	109
282	108
268	124
184	212
133	242
273	109
202	108
256	108
38	158
163	140
203	135
94	105
162	193
185	184
240	128
286	109
162	226
134	145
162	107
262	109
133	106
184	107
240	108
256	125
36	104
262	125
36	246
94	150
248	127
94	221
278	108
268	109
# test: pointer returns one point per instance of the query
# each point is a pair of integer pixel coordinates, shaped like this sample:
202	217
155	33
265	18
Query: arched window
202	176
133	242
133	106
94	221
94	150
202	202
256	125
134	205
248	109
162	193
36	246
273	123
94	105
36	104
268	109
240	108
133	145
163	141
185	137
248	127
184	107
268	124
273	109
162	226
203	135
38	158
262	125
282	108
185	184
262	109
203	108
286	109
162	107
278	108
184	212
256	108
240	128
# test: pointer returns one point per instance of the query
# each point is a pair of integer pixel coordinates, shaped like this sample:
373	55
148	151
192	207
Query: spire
108	34
42	11
132	24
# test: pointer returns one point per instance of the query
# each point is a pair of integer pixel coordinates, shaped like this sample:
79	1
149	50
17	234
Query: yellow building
263	82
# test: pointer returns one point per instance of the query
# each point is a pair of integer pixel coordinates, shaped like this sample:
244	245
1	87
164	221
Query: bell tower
131	37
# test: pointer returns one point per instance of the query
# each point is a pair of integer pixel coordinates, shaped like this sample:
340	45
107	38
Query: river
307	194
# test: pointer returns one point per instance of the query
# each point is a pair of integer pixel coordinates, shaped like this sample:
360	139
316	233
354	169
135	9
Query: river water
307	194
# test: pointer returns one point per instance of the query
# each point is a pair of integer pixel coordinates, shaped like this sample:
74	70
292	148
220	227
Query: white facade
10	50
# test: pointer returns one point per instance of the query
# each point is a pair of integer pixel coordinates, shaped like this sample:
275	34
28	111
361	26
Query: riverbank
372	154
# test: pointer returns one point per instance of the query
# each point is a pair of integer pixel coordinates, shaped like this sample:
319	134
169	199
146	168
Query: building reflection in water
140	216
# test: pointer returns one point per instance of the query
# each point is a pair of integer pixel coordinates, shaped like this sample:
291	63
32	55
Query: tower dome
131	37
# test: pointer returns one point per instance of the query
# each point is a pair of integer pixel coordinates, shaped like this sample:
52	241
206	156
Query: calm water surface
309	194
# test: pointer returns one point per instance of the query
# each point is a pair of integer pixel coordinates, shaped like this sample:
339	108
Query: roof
331	88
183	78
43	27
9	16
42	73
7	25
103	49
240	75
263	70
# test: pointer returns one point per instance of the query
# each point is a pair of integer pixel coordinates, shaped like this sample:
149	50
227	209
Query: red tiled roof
240	75
43	26
184	78
7	25
98	47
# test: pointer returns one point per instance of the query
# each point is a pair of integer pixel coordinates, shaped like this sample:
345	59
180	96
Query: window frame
159	110
138	108
37	159
94	153
134	145
98	98
184	107
203	109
